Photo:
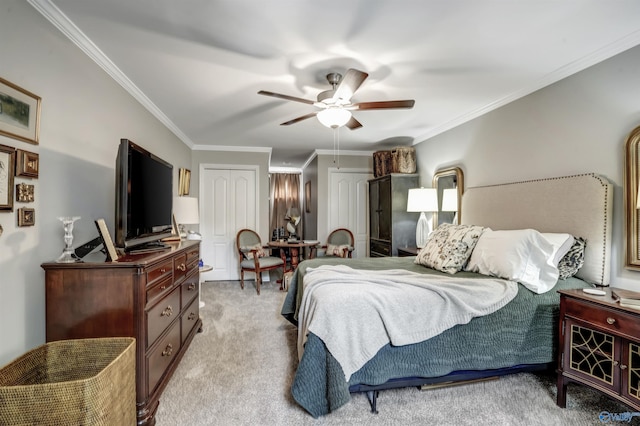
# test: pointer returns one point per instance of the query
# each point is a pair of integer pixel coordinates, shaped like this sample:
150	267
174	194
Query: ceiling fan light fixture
334	117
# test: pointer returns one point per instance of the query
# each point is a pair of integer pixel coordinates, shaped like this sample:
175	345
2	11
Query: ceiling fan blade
353	124
385	104
285	97
295	120
349	84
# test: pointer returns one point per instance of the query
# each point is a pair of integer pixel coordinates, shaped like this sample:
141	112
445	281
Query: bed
518	337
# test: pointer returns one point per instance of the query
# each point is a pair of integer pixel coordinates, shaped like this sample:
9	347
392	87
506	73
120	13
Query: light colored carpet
239	370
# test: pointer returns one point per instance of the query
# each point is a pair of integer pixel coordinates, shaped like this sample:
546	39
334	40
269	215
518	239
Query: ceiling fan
335	105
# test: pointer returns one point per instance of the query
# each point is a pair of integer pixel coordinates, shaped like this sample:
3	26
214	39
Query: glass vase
68	254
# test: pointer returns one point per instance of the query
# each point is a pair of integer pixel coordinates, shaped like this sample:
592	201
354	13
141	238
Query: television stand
148	248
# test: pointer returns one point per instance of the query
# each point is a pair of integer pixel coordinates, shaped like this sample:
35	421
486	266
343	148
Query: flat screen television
144	197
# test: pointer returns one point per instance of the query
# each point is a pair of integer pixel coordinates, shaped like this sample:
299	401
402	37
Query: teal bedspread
523	332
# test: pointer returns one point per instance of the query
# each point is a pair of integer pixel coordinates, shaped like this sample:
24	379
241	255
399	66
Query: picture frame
25	193
307	197
7	166
26	216
27	164
112	253
184	181
19	113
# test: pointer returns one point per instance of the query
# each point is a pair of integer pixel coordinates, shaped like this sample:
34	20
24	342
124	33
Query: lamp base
423	229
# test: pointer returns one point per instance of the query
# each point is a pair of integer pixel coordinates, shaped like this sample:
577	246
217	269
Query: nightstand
407	251
599	346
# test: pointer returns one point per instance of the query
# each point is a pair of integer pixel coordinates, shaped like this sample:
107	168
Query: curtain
284	194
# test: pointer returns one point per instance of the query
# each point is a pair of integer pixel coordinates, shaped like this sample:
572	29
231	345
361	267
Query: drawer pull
191	286
163	287
623	367
191	316
163	270
167	312
611	320
181	267
168	350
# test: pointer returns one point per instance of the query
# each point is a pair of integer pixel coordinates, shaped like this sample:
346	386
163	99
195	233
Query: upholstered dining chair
253	257
340	243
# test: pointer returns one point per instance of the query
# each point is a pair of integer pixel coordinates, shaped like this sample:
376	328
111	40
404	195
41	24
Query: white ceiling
198	64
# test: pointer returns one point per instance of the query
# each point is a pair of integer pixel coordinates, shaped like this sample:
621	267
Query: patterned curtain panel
285	194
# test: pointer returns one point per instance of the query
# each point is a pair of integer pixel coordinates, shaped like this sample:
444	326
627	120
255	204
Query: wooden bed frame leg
372	396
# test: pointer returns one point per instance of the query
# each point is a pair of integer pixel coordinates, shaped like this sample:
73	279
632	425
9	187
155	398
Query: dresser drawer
179	267
606	319
189	288
159	272
380	248
193	255
159	359
161	315
190	318
158	290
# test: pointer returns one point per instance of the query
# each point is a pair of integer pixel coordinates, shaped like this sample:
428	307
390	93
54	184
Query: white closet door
348	206
228	203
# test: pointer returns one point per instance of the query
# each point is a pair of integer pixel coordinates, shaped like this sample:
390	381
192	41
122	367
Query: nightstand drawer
604	318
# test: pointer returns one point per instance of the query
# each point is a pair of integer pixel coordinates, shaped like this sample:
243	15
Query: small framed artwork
19	113
307	197
25	193
7	165
27	164
112	253
26	217
184	181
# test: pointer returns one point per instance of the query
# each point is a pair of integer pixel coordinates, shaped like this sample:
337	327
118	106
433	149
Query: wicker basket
382	163
71	382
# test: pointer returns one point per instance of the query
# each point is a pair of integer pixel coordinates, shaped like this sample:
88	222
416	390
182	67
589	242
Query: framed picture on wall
7	165
184	181
19	113
27	164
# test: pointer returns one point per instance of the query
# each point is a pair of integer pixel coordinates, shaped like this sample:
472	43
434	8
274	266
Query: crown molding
232	148
54	15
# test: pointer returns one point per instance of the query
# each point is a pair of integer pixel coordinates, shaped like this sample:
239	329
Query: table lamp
185	210
293	218
422	200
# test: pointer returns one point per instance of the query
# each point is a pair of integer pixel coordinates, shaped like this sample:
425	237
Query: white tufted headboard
579	205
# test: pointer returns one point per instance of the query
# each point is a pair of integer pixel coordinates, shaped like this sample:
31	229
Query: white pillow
561	245
520	255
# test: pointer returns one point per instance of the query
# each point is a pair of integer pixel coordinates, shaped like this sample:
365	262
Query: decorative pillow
573	260
561	245
449	246
340	251
520	255
248	251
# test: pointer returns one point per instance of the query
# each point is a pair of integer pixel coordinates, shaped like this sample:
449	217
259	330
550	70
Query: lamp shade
422	200
185	209
334	117
450	200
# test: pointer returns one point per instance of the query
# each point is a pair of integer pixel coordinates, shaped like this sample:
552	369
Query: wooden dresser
599	346
390	225
152	297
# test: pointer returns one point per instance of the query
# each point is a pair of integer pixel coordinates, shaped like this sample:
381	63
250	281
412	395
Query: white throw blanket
357	312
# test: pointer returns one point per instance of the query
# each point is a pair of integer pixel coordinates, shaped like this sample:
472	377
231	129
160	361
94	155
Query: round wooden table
294	250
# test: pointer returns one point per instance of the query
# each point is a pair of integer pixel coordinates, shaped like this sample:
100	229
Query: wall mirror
450	185
631	200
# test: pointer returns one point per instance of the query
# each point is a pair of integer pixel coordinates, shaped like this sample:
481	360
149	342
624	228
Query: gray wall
578	125
84	116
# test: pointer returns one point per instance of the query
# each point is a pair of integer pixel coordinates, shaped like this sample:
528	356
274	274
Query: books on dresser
627	298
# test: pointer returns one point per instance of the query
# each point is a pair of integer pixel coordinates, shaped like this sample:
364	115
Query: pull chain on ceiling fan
335	104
